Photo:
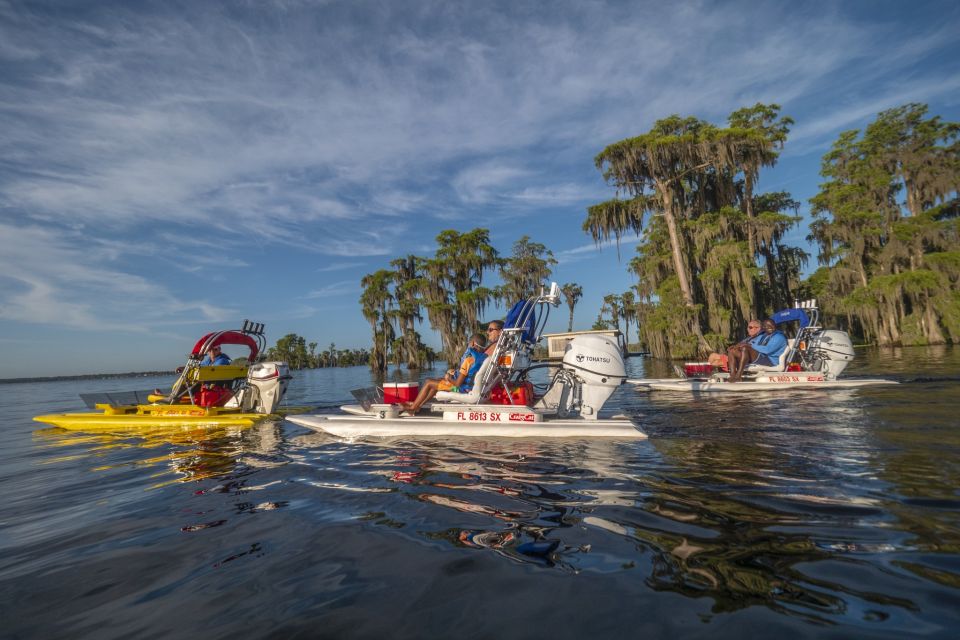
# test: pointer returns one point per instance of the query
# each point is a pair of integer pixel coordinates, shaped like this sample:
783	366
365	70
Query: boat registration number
795	379
494	416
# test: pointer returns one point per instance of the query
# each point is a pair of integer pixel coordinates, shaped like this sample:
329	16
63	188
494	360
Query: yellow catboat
204	395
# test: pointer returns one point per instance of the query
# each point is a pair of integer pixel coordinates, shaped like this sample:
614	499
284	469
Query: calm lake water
806	514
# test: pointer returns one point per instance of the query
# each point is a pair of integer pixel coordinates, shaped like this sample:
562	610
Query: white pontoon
591	370
814	359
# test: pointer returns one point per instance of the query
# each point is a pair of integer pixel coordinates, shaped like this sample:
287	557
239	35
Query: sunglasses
489	329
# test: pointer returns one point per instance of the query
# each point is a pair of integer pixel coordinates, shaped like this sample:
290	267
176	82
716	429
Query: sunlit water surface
834	514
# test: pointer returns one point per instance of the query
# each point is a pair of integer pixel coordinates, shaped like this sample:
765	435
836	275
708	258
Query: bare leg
747	355
427	392
733	359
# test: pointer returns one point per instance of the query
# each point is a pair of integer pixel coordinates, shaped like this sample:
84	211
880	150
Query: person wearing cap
214	356
494	329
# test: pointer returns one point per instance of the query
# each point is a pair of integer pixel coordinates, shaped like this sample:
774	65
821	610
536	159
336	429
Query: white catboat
814	359
501	403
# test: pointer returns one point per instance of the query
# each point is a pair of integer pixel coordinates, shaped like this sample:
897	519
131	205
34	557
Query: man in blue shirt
215	356
765	350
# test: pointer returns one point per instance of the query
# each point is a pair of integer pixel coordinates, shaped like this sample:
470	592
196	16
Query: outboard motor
266	385
832	349
592	370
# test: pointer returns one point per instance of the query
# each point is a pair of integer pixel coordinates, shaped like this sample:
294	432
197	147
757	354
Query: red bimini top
218	338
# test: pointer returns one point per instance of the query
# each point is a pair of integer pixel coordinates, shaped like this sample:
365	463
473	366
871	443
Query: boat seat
781	365
482	383
218	372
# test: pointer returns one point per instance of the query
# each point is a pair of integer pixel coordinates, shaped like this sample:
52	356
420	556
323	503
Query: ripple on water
798	514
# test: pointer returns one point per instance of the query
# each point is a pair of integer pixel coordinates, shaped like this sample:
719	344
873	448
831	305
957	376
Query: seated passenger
764	350
721	360
494	329
214	356
460	381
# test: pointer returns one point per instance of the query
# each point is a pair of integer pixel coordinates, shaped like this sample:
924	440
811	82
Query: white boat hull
474	421
773	382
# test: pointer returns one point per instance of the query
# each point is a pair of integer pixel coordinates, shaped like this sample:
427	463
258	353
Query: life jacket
478	358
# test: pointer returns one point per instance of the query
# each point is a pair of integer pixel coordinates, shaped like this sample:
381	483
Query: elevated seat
483	382
780	365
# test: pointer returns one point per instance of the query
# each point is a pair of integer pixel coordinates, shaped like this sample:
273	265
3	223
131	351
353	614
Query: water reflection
740	518
186	453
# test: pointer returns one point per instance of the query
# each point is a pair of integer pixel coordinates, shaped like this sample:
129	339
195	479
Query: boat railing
116	398
514	351
798	349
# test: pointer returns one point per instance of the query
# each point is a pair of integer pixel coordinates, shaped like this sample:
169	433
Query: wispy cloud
342	288
559	194
49	279
483	183
286	128
585	251
339	266
820	132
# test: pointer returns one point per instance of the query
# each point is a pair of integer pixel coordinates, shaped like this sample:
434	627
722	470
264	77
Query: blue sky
168	168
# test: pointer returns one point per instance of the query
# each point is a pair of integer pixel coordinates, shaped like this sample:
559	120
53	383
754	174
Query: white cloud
820	133
339	266
585	251
341	288
559	194
50	279
484	182
183	115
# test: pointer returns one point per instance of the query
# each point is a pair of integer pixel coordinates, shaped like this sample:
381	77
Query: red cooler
521	395
695	369
395	392
213	396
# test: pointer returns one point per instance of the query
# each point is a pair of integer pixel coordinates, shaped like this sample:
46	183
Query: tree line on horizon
712	253
300	354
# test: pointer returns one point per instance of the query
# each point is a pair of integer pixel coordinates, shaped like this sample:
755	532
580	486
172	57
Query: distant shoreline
88	376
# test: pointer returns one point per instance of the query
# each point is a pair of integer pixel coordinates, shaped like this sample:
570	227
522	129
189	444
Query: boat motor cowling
267	383
834	350
597	364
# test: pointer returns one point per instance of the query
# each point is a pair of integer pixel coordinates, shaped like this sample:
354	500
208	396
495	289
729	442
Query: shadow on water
790	512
